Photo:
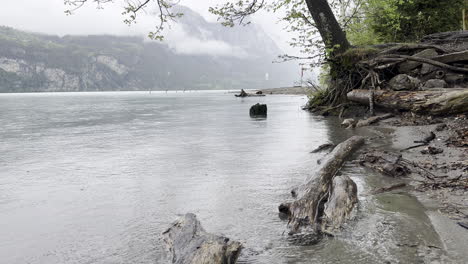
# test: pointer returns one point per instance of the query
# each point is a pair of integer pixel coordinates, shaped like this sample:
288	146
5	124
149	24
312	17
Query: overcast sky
47	16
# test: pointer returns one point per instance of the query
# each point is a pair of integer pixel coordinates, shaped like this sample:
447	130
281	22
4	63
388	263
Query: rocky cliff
32	62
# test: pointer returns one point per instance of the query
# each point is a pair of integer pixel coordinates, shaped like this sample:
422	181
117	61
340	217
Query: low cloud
182	42
48	17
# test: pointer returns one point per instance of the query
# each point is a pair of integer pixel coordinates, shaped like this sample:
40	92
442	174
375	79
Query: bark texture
306	212
435	102
340	203
330	31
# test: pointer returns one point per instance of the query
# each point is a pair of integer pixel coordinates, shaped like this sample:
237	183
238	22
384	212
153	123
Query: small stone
348	122
435	83
432	150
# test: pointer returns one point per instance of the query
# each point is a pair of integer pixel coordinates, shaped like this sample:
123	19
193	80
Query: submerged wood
436	102
372	120
188	243
305	213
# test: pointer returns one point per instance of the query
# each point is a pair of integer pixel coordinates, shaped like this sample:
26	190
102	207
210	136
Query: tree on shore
307	18
323	29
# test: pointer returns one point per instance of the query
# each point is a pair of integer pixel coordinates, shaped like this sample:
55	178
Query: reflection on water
96	177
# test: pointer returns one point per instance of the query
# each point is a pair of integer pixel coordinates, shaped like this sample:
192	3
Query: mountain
197	55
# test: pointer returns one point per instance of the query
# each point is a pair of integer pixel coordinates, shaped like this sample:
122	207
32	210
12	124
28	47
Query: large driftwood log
436	102
188	243
452	57
432	62
306	212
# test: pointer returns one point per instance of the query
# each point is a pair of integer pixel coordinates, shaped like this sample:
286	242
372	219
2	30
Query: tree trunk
332	35
187	242
435	102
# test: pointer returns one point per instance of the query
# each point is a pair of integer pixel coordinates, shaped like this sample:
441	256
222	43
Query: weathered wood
387	163
372	120
445	37
452	57
429	61
305	212
188	243
411	48
340	203
435	102
245	94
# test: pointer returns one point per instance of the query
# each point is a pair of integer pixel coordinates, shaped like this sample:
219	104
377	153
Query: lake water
96	178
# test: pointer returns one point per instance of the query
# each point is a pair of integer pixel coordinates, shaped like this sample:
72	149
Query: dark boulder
258	110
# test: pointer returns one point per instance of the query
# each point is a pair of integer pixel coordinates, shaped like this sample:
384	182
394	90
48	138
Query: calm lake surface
96	178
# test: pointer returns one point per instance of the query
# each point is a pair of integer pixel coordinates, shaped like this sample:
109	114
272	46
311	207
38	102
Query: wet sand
445	207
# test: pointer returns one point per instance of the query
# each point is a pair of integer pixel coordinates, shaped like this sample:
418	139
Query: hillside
31	62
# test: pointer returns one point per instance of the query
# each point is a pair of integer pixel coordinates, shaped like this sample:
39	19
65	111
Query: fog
47	16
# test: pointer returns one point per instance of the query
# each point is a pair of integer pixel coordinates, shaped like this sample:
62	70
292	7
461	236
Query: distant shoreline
281	90
296	90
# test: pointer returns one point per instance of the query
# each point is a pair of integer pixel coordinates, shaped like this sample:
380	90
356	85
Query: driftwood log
245	94
343	197
321	190
372	120
436	102
188	243
388	163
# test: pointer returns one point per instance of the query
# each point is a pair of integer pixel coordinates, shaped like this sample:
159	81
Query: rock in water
188	243
258	110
